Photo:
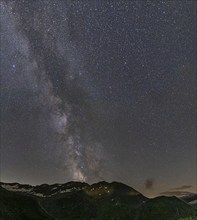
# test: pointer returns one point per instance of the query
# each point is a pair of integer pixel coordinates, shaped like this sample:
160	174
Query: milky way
99	91
51	72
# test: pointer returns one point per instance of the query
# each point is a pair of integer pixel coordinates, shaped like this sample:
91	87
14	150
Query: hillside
80	201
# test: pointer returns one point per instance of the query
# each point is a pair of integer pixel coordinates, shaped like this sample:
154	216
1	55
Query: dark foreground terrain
80	201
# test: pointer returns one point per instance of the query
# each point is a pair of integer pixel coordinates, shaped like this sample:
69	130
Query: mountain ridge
81	201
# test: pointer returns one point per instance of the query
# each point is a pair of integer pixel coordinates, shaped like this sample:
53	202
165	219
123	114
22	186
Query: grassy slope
20	207
117	202
166	208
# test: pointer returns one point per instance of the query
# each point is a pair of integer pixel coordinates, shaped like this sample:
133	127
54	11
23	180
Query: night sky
99	90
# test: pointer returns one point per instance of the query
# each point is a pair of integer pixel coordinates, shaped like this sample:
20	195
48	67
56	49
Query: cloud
149	183
175	193
182	187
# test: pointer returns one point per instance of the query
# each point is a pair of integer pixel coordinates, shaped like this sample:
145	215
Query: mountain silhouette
81	201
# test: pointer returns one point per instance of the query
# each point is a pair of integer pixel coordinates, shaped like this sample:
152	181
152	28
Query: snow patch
54	188
193	202
38	194
15	188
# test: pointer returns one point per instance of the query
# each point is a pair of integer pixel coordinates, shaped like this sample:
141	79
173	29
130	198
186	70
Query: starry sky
99	90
